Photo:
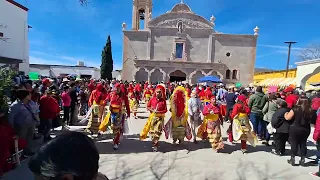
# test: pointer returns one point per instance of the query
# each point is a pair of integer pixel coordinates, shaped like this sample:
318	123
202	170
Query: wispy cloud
293	52
265	55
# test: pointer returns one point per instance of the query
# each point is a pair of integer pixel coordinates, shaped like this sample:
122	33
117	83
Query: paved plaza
135	161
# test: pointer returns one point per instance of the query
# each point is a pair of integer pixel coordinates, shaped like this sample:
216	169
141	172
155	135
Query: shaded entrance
177	76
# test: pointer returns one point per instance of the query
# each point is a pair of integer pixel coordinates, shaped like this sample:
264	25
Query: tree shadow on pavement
263	173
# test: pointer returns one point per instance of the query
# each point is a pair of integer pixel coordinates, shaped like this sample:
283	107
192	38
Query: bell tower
141	14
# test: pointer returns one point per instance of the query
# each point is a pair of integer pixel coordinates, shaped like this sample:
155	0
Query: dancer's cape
242	129
179	111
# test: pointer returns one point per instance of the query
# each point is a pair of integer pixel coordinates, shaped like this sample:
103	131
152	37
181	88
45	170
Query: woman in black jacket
282	127
299	131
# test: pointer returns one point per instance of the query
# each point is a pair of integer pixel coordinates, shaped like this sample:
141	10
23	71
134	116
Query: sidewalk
135	161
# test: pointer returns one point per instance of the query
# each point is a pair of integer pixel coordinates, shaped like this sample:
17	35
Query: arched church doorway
141	75
304	80
177	76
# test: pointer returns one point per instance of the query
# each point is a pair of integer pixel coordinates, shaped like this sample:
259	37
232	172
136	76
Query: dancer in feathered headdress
147	94
97	104
117	113
211	126
154	126
178	125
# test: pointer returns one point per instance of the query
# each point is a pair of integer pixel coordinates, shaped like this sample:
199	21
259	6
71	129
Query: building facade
14	44
183	46
116	74
62	70
308	72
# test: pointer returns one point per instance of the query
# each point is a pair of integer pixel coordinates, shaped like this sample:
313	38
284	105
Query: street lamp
289	51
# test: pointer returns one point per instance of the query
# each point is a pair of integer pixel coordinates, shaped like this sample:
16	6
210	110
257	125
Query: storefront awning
277	82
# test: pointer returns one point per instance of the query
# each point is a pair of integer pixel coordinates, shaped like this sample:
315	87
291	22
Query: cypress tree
106	67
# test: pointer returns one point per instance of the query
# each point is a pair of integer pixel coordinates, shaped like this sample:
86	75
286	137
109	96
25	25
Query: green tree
6	76
106	67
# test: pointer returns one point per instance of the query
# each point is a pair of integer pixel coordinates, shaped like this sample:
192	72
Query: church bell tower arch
141	12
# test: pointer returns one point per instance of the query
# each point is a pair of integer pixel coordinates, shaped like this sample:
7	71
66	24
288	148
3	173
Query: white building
14	44
306	69
116	74
62	70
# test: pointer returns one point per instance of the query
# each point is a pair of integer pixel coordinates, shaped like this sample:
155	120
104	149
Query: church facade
183	46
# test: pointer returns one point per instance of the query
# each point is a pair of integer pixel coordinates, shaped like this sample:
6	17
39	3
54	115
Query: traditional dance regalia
137	89
178	124
154	126
116	114
97	103
208	95
134	103
147	94
210	128
130	90
241	125
188	89
202	95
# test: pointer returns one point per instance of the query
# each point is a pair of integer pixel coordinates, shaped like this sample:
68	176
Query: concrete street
135	161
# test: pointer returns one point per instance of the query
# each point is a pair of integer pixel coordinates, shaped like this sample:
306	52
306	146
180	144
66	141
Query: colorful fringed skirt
210	129
94	120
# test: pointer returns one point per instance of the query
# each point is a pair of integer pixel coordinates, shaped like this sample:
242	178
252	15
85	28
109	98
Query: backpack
315	104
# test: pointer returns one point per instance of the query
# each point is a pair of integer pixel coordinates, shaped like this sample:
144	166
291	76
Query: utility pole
289	51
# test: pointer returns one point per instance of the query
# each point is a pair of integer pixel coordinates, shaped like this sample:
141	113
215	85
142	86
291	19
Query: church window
179	50
228	54
228	72
1	34
234	74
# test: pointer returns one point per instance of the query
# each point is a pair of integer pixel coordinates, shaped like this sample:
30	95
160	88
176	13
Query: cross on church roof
182	2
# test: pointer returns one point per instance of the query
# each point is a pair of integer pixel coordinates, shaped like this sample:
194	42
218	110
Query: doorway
177	76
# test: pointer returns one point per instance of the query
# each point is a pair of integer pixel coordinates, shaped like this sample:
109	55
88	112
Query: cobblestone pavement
135	161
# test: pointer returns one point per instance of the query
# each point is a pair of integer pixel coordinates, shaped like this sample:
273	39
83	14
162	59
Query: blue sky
64	32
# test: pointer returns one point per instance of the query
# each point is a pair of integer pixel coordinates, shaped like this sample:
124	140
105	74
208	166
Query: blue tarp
213	79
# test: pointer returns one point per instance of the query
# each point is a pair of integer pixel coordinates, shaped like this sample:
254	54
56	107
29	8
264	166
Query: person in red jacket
316	138
7	146
292	96
49	109
240	110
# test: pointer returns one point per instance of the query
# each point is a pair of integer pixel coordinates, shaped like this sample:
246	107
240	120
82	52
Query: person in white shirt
195	108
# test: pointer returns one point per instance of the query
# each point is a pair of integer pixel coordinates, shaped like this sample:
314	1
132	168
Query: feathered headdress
162	89
179	104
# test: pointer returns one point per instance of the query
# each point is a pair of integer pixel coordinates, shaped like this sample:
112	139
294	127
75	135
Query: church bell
141	14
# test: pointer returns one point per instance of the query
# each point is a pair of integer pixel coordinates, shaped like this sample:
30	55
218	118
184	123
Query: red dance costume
116	108
241	107
7	147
